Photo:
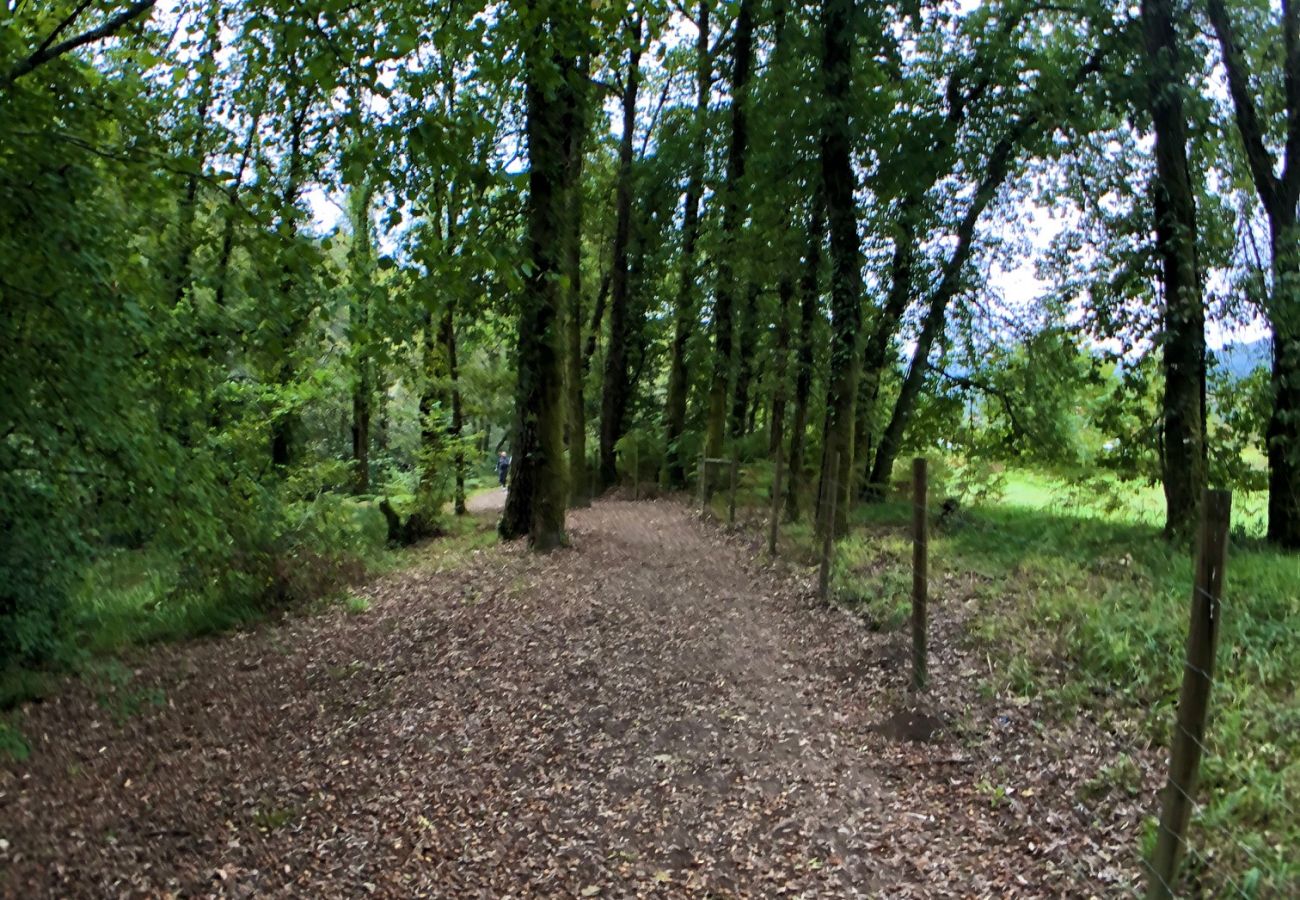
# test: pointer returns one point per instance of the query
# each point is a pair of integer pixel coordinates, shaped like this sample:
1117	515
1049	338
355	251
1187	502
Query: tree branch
970	384
71	17
1252	132
108	28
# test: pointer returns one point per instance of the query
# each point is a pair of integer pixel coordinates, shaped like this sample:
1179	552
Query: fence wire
1125	745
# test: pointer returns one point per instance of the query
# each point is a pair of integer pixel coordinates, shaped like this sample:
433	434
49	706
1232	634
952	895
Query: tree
1279	195
838	184
685	310
723	323
1184	460
536	503
614	397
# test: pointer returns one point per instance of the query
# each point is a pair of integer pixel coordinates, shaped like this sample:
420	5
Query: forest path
647	713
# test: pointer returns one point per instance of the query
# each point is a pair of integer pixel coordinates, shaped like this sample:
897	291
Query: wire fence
1175	854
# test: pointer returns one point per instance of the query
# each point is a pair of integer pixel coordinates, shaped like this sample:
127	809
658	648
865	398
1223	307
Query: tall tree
535	505
732	217
614	397
1277	181
685	312
576	421
838	186
1042	115
361	285
1183	463
806	355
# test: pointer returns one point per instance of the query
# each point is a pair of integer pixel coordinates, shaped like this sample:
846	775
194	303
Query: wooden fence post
920	574
703	477
735	472
828	530
1194	700
636	470
775	524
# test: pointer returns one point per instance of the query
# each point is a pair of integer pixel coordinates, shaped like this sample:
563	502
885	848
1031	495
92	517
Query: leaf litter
652	712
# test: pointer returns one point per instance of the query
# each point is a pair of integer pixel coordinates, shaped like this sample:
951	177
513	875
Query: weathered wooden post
775	524
1194	700
920	574
735	472
636	470
828	530
703	477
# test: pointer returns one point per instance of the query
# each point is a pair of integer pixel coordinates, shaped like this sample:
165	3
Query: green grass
1083	603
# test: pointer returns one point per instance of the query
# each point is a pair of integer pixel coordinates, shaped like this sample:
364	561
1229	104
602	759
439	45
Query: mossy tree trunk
535	505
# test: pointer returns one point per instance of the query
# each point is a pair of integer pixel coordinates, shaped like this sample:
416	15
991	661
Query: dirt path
648	713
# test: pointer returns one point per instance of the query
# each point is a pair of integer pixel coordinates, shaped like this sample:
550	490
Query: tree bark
597	317
780	374
1183	463
536	503
686	312
49	51
732	215
846	268
614	398
198	156
747	329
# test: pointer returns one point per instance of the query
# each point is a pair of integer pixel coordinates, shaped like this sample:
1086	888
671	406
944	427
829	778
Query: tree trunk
1283	432
747	328
846	268
809	302
1183	463
875	358
1279	195
536	503
686	313
228	225
447	338
732	216
780	375
284	425
597	316
614	399
576	422
361	259
432	397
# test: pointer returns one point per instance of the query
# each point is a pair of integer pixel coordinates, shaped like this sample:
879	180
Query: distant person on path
503	467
